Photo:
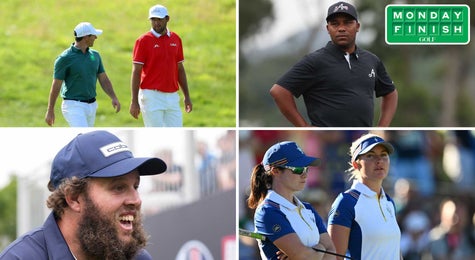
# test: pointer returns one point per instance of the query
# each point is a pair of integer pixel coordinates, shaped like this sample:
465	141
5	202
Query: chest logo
372	74
156	46
388	209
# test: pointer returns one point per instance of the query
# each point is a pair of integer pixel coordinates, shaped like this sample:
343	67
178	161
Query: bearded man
95	204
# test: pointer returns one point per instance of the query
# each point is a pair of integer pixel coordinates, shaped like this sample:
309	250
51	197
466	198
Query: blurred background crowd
431	179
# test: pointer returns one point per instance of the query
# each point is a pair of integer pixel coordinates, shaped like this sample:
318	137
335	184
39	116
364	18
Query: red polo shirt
160	57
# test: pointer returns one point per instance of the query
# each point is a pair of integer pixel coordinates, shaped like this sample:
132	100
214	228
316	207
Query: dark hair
57	200
261	181
78	39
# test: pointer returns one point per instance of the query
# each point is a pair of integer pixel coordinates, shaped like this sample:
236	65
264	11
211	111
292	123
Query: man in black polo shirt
339	81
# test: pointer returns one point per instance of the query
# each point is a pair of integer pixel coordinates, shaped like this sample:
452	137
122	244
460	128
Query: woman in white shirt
292	227
362	220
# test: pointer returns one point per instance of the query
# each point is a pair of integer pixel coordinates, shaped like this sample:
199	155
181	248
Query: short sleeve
60	68
180	56
139	53
342	211
269	220
384	83
300	77
100	68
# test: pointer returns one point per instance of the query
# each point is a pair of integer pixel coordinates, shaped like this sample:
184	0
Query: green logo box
436	24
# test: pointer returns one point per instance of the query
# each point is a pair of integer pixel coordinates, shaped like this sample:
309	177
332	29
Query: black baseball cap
342	7
99	154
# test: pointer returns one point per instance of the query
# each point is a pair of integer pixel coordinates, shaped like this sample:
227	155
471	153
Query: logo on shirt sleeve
336	214
276	228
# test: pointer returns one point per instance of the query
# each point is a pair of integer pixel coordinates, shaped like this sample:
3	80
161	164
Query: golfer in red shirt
158	73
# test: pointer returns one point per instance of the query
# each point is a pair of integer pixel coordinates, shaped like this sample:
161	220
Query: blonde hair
355	173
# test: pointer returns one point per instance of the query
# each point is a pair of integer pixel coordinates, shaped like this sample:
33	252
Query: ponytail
260	183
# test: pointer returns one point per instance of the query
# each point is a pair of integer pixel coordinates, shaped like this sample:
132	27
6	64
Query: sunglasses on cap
295	170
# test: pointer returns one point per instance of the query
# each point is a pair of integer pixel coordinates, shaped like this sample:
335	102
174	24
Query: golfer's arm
291	246
54	93
182	80
135	81
388	108
340	236
286	103
327	243
106	85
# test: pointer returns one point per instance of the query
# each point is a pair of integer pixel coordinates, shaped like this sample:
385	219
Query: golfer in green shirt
76	72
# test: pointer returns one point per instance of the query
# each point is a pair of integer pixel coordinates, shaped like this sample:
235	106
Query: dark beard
99	238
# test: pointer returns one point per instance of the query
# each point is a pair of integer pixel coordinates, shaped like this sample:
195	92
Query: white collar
156	34
275	197
361	187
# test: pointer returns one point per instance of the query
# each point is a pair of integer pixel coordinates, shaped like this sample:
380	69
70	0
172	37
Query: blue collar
54	240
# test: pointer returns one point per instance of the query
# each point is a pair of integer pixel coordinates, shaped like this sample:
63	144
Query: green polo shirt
79	72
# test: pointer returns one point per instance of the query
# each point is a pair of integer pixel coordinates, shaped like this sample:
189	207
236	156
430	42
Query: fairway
34	33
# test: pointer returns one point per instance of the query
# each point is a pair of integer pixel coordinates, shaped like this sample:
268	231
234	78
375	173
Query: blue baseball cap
367	144
99	154
287	154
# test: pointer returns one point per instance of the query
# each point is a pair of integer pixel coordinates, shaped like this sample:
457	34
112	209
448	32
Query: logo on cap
114	148
340	7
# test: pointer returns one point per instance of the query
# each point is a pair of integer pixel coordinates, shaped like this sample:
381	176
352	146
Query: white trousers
160	109
79	114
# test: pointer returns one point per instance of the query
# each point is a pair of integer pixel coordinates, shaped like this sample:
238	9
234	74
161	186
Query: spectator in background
335	147
459	159
173	180
410	161
452	239
415	236
227	161
207	169
319	200
265	138
404	196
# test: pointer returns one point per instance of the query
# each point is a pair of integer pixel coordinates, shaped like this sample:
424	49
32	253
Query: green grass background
34	33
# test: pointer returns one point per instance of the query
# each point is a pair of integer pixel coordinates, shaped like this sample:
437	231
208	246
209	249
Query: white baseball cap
86	28
157	11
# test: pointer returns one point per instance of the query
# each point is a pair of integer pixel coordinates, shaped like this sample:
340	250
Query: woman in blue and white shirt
362	220
292	227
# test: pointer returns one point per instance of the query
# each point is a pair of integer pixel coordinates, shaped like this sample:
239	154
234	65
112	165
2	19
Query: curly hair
57	200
